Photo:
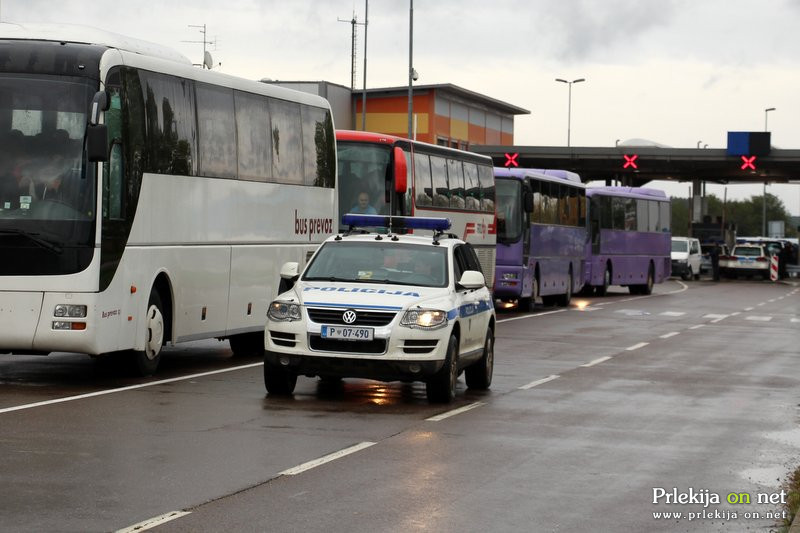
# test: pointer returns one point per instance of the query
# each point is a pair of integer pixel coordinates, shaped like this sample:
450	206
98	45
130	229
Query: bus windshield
47	201
509	213
363	168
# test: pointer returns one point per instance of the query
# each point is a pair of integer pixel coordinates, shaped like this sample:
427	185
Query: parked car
384	306
686	257
747	260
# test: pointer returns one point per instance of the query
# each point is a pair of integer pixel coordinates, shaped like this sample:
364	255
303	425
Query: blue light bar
380	221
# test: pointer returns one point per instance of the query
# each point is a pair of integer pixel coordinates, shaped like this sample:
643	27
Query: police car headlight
283	312
424	318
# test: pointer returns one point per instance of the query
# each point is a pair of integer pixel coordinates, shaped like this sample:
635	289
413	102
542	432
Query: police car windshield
379	262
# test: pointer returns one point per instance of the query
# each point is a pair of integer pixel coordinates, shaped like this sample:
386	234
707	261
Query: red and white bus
384	174
145	201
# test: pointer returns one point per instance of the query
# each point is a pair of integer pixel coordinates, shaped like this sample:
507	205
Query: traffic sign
630	161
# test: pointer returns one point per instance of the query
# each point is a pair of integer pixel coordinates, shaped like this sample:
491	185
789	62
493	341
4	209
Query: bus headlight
70	311
283	312
424	318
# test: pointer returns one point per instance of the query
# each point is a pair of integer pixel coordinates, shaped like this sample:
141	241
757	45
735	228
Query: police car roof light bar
379	221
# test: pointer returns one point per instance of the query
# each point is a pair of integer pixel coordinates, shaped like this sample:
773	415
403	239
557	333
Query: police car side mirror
472	279
290	271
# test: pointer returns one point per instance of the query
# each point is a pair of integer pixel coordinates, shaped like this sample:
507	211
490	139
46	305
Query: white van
686	257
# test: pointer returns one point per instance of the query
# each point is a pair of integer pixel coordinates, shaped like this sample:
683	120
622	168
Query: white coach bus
145	201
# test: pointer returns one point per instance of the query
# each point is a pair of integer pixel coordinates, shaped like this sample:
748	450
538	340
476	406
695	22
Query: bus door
529	187
594	224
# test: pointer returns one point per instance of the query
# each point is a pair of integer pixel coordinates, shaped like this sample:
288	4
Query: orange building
444	114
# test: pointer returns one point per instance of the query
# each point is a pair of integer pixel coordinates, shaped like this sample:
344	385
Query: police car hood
367	295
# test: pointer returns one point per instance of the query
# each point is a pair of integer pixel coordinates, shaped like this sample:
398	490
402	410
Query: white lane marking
597	361
737	313
759	318
672	313
532	315
325	459
796	320
719	317
637	346
533	384
670	334
698	326
762	303
771	301
749	308
124	389
150	523
454	412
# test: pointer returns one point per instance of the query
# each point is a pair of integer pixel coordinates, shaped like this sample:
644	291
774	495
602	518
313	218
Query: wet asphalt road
592	409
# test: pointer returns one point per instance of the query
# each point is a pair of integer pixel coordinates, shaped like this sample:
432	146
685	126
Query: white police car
384	306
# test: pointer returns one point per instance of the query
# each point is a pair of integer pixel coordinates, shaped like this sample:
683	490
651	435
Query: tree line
747	215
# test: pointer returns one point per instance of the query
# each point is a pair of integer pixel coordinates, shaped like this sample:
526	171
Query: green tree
746	214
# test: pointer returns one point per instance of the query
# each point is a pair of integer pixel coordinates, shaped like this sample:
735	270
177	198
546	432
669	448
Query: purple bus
541	236
629	239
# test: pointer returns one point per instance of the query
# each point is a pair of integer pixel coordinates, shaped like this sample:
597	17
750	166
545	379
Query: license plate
347	333
747	260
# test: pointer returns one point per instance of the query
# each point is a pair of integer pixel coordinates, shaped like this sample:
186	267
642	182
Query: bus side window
112	184
422	180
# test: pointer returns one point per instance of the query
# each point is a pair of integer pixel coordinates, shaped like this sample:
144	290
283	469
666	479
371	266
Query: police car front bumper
343	366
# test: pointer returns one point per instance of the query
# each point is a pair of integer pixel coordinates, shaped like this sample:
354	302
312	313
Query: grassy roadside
792	505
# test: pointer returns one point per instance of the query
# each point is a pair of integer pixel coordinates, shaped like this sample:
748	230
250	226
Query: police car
386	306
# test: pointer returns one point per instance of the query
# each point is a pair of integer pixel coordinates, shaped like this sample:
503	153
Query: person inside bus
362	206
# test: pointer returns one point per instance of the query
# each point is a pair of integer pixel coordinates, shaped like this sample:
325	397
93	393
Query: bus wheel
441	388
145	362
246	344
279	380
479	375
601	290
564	299
647	288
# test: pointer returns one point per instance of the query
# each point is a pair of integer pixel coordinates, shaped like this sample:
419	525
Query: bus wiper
34	237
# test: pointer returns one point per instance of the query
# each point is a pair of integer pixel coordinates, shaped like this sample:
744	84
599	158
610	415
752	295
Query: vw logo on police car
349	316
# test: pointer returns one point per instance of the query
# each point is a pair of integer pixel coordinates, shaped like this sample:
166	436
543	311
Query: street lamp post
569	102
766	111
764	197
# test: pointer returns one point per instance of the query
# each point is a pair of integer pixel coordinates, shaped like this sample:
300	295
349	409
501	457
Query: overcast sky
678	72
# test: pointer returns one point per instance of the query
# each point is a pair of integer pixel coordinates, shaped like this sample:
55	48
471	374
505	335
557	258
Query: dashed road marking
637	346
716	316
150	523
670	334
325	459
454	412
759	318
698	326
596	361
536	383
672	313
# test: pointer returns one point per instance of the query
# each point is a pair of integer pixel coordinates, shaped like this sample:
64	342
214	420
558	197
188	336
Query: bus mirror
290	270
97	143
400	171
100	102
528	202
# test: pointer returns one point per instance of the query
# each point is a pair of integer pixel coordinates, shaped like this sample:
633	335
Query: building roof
455	90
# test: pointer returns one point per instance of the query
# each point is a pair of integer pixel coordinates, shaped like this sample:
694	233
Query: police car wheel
441	388
479	375
278	380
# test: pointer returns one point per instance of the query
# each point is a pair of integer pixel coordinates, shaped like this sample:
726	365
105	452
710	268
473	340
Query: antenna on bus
207	61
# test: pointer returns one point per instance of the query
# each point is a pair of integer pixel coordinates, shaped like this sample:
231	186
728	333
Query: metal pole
410	68
569	112
364	95
764	212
